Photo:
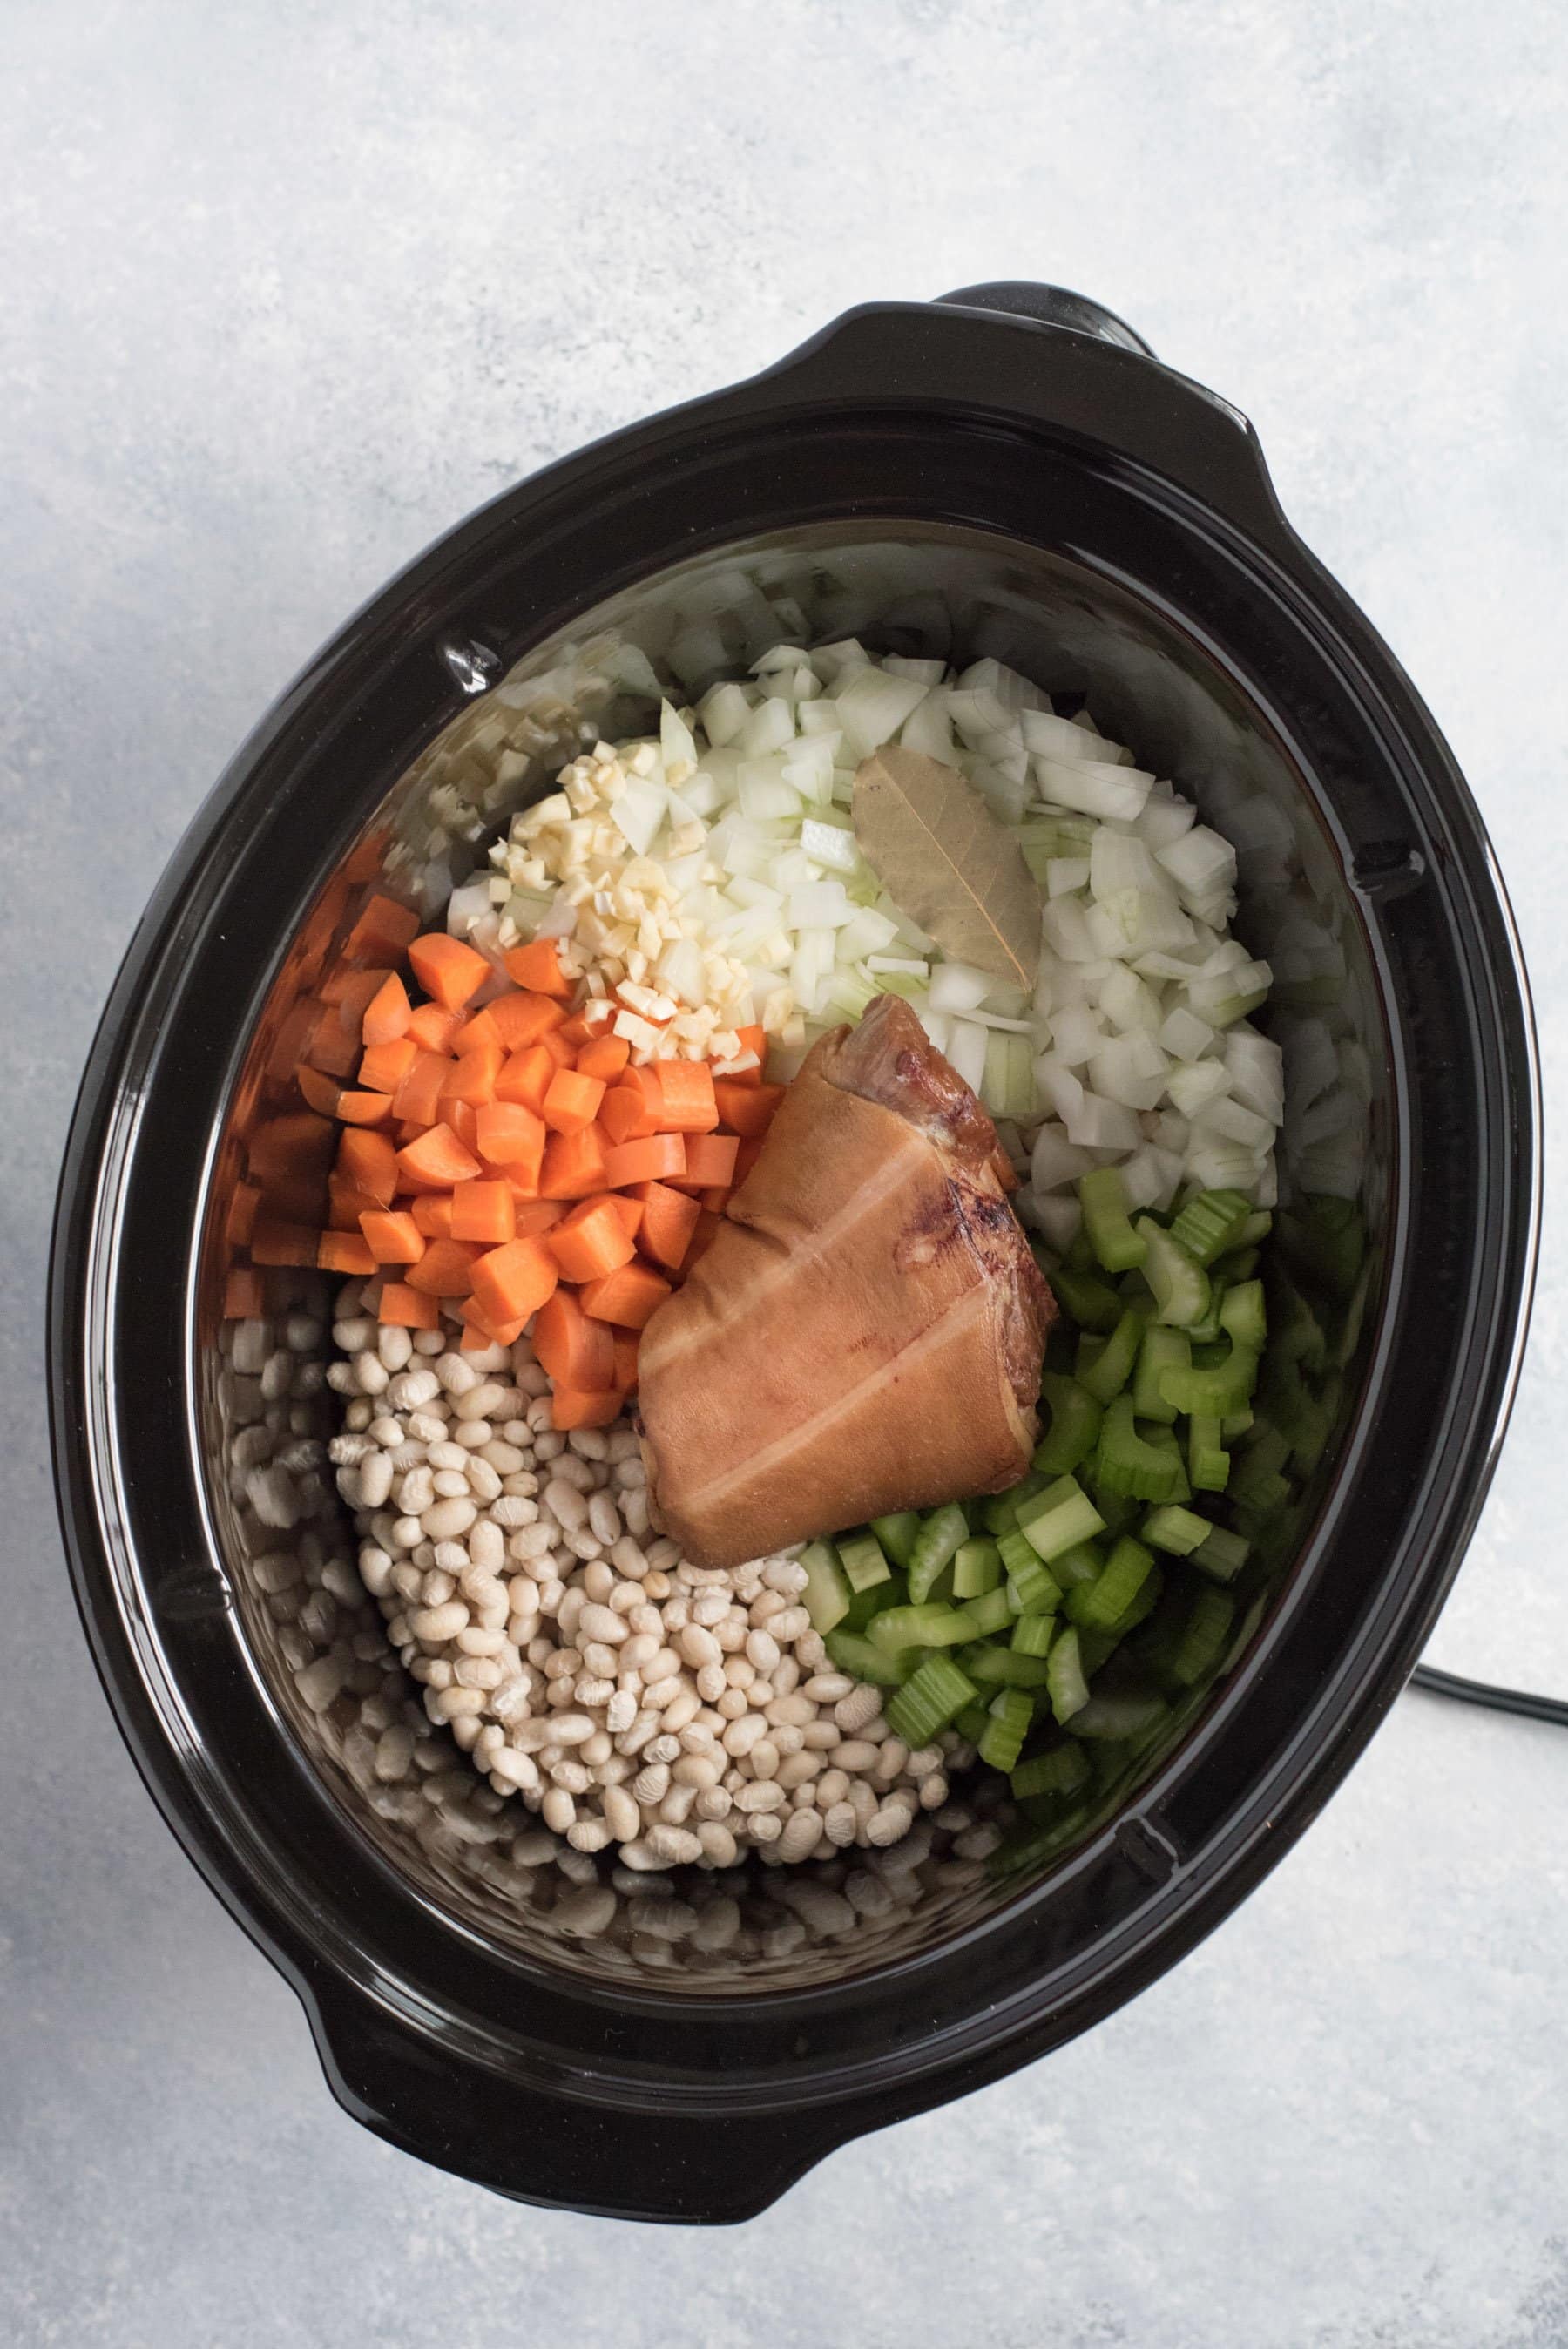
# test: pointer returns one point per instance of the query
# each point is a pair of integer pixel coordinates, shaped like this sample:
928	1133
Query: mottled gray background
285	289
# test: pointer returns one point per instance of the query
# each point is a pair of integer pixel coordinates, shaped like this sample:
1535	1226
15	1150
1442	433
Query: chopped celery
1064	1683
864	1660
1032	1634
1003	1739
1178	1284
1015	1551
1087	1300
1001	1509
1207	1462
1202	1640
976	1568
1257	1227
1032	1588
1179	1531
971	1721
1112	1367
988	1614
896	1535
1147	1467
928	1701
920	1627
1061	1771
1162	1349
1100	1605
1214	1391
1221	1554
1125	1714
942	1533
1211	1223
1074	1428
1102	1195
1005	1668
1082	1563
861	1555
826	1593
1060	1517
1240	1265
1242	1315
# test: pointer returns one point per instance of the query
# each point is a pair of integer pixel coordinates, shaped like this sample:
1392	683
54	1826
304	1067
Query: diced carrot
244	1294
747	1156
538	965
432	1027
603	1057
570	1408
477	1323
629	1207
240	1220
346	1203
446	1269
387	1013
658	1158
276	1240
370	1162
384	928
709	1226
573	1166
464	1120
521	1019
626	1115
576	1032
686	1089
342	1252
436	1161
627	1296
574	1351
590	1241
513	1281
392	1234
480	1027
669	1219
320	1092
563	1055
525	1077
533	1215
625	1344
407	1306
283	1149
471	1076
752	1039
385	1066
573	1101
710	1159
715	1198
432	1214
511	1136
484	1211
364	1109
745	1109
418	1099
447	968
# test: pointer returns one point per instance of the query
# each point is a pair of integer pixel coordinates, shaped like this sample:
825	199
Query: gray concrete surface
285	289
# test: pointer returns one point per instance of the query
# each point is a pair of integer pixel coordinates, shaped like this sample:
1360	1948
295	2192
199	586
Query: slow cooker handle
1048	306
534	2145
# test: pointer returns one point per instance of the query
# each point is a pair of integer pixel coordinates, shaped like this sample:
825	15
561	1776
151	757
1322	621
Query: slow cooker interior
316	1640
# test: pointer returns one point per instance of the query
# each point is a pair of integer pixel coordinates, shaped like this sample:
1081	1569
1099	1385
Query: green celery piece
1202	1641
1032	1634
1061	1770
1243	1316
928	1701
1074	1428
994	1667
1032	1588
1230	1271
1179	1531
1085	1300
826	1593
1221	1555
1003	1739
897	1533
1065	1683
1207	1462
919	1627
861	1555
1099	1606
988	1614
864	1660
1016	1550
1060	1517
971	1721
1105	1377
1102	1195
1147	1467
942	1533
864	1604
1124	1715
1213	1391
1211	1222
1178	1282
976	1568
1001	1509
1083	1563
1162	1349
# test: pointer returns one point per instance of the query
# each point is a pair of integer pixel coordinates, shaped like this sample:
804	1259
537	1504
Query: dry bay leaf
946	862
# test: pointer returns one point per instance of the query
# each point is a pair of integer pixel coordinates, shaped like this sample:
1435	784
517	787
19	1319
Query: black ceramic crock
1010	471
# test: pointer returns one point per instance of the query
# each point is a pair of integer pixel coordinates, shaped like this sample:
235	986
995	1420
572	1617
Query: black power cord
1499	1700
